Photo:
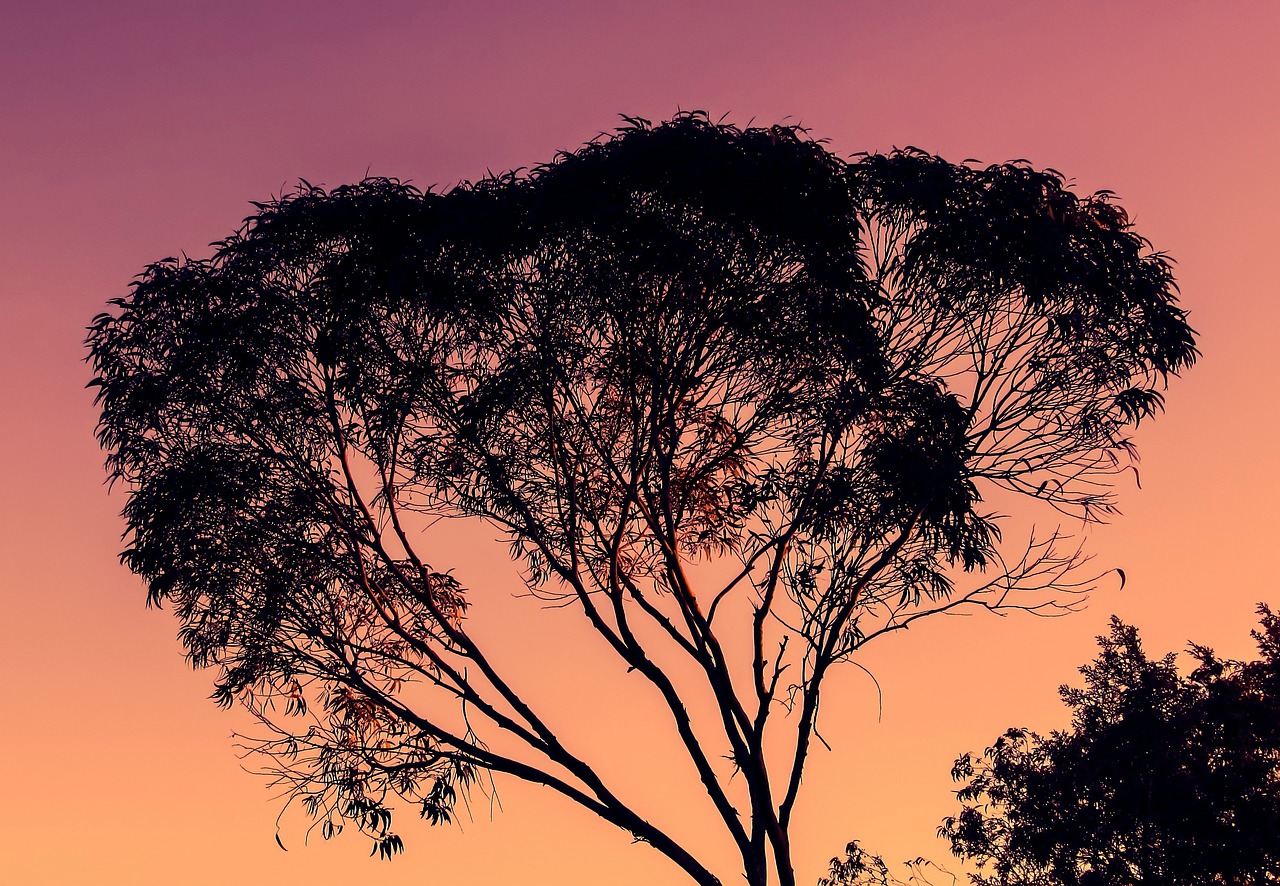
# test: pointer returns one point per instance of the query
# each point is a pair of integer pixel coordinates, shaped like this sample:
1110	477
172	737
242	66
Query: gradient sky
136	130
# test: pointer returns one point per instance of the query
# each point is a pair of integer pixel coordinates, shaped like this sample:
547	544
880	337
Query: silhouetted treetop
682	342
1161	778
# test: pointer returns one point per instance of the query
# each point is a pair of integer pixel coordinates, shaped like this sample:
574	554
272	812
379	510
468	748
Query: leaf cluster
1163	777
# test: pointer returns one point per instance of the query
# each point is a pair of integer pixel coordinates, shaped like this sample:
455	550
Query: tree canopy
682	344
1162	778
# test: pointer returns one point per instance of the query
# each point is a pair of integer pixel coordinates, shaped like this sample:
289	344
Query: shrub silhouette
1162	778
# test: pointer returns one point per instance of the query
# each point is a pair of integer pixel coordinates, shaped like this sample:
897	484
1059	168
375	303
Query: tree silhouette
1162	778
734	399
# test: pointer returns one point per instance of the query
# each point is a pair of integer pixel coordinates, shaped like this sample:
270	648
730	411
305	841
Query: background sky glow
136	130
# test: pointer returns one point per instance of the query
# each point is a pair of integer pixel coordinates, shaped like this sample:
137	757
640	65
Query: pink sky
132	131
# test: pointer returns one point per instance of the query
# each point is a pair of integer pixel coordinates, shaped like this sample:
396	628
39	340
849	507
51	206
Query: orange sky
136	130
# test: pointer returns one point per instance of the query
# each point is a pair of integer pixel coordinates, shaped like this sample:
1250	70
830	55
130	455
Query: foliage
684	344
860	868
1162	778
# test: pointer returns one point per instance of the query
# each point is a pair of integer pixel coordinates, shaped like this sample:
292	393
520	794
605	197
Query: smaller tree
1162	778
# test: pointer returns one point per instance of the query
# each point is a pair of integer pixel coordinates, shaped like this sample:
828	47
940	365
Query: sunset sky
132	131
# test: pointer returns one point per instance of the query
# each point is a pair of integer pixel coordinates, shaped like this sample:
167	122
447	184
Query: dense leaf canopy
683	342
1162	778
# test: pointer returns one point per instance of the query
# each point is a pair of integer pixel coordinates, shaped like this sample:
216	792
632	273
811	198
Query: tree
732	398
1162	778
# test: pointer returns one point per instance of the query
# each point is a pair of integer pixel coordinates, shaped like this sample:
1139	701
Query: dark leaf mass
1161	778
